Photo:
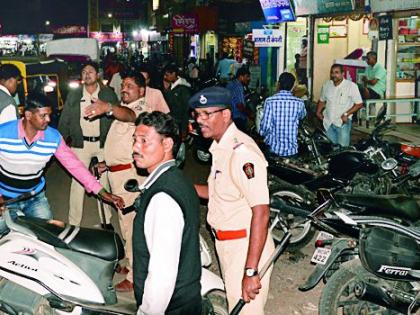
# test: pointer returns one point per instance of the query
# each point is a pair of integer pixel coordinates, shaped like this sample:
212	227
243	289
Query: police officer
238	200
119	154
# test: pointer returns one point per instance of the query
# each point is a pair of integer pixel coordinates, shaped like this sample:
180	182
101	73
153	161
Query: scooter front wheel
215	303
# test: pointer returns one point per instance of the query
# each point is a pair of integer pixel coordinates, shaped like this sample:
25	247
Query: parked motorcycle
386	278
63	269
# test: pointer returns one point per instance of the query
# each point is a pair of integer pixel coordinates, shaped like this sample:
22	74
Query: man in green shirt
374	80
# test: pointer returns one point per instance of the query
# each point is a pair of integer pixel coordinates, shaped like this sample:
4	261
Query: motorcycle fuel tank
344	165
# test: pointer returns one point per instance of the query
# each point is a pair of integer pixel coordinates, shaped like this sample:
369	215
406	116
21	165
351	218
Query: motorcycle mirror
381	115
132	185
389	164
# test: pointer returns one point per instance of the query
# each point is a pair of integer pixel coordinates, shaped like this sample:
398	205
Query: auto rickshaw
46	77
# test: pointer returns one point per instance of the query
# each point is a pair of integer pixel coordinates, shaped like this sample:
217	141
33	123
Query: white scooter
48	269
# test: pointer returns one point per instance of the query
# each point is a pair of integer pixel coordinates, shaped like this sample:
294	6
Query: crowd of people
160	225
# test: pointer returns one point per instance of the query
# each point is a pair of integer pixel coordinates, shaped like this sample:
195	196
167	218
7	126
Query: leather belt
119	167
229	235
91	139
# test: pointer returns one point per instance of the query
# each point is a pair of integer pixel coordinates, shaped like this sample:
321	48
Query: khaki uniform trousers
77	191
117	181
232	256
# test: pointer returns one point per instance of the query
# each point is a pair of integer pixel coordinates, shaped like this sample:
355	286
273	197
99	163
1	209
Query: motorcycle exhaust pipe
377	295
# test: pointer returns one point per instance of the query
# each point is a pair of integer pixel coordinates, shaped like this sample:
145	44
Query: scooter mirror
389	164
132	185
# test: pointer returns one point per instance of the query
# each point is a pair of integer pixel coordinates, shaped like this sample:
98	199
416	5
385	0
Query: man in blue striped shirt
280	121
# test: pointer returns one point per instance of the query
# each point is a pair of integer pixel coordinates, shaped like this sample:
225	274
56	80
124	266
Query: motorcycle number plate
322	236
321	255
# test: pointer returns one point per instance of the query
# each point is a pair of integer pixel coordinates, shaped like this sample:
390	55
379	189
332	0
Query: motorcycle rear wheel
338	298
301	229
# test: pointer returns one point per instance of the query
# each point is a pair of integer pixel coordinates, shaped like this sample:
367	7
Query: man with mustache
118	153
86	137
238	201
27	146
166	249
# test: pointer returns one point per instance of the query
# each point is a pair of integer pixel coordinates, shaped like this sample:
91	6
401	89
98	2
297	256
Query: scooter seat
106	245
399	206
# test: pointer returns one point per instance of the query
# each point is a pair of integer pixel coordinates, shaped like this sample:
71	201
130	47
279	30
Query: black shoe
107	227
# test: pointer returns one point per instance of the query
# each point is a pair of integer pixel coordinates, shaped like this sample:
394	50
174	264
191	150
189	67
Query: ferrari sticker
249	170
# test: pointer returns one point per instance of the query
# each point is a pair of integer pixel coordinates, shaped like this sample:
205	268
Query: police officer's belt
229	235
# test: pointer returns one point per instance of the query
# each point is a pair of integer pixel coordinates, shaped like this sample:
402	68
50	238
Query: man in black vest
10	78
167	267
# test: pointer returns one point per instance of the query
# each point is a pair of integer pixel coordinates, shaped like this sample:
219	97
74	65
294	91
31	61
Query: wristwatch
250	272
109	112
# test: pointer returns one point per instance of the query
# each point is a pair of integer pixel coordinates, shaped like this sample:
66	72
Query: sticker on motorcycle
321	255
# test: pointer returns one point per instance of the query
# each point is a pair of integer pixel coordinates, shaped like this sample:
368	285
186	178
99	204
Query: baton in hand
277	252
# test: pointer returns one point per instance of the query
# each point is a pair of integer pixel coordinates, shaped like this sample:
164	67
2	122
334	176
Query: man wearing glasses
10	78
238	196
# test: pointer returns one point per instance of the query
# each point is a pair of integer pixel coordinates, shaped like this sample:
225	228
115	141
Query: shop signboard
248	50
306	7
323	34
277	11
74	30
385	27
333	6
103	37
185	23
393	5
267	37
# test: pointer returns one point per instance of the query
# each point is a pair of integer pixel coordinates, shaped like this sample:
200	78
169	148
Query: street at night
210	157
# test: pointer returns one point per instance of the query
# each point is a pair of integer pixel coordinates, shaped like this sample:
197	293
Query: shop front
338	29
184	32
399	46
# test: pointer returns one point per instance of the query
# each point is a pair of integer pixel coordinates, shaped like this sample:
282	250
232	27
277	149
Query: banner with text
267	38
277	11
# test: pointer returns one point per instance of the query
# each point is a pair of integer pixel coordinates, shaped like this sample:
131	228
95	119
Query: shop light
47	22
155	5
110	15
166	16
135	33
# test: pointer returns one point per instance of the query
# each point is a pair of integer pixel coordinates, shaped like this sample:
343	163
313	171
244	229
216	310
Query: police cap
211	97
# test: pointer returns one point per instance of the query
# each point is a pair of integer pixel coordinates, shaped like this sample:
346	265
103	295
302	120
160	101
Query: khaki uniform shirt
237	181
90	128
119	141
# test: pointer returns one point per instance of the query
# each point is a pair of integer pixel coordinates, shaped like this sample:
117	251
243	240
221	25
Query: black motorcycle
381	277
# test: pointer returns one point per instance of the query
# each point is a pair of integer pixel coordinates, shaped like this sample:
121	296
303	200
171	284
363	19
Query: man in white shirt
340	99
10	78
166	252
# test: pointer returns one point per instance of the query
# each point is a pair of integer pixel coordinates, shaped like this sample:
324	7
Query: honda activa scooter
64	269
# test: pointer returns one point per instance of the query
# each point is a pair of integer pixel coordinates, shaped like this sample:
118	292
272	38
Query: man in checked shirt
280	121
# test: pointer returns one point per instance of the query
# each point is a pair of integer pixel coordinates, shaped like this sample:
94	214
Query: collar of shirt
157	172
285	93
227	140
5	90
93	95
22	134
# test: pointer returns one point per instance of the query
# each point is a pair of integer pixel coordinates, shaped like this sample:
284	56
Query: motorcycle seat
400	206
106	245
411	149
